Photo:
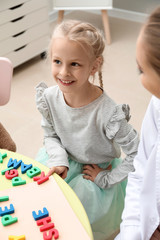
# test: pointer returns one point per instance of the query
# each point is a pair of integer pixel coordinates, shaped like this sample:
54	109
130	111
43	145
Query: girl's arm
58	158
128	140
122	134
54	148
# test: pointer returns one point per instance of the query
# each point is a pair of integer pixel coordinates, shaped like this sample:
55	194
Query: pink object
11	174
32	196
52	232
45	223
6	71
41	179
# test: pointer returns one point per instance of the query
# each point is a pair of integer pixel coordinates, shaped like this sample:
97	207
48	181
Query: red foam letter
42	178
45	222
53	232
11	174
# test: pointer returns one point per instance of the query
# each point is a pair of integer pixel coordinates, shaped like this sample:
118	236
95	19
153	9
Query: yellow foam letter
22	237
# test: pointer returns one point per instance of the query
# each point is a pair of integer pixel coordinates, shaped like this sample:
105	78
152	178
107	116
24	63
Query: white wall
142	6
50	3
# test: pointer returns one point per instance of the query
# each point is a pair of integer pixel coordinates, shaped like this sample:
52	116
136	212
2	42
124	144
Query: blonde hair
86	35
151	36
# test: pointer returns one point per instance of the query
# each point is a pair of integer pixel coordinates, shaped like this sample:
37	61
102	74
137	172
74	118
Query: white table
102	5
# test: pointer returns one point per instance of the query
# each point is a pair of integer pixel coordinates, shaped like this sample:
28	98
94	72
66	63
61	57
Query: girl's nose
64	71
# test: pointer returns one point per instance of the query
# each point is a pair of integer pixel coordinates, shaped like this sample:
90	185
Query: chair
103	5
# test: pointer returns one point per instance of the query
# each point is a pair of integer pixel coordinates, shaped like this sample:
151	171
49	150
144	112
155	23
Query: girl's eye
75	64
57	61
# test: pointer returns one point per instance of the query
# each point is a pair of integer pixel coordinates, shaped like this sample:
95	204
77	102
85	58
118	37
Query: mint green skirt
103	206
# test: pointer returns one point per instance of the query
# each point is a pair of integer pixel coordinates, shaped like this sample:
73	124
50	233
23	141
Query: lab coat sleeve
130	227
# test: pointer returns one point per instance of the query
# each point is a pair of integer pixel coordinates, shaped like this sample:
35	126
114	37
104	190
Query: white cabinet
103	5
24	29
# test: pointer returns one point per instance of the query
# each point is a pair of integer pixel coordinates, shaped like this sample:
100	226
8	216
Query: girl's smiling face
148	76
71	65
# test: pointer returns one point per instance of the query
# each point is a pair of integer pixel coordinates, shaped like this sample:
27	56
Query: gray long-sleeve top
92	134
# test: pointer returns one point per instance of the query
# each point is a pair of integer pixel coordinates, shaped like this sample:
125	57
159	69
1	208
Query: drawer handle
17	19
16	35
17	6
16	50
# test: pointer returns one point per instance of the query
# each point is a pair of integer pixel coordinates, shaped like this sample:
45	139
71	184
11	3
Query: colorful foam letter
6	210
4	198
25	167
2	155
22	237
52	232
42	178
45	222
40	214
11	174
16	181
14	163
34	171
8	219
5	170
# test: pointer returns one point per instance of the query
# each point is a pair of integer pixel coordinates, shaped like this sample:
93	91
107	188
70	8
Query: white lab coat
141	214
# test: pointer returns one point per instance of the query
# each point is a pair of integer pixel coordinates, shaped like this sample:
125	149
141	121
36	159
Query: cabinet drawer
5	4
21	10
32	49
23	38
83	4
25	22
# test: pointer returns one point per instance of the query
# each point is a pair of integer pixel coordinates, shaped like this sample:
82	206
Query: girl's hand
61	171
156	234
91	171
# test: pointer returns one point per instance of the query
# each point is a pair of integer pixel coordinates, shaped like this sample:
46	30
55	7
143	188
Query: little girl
141	216
84	129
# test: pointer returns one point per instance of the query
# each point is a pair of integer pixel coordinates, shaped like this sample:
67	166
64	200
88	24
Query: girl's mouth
65	82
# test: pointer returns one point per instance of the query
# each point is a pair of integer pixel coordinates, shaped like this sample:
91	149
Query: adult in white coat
141	215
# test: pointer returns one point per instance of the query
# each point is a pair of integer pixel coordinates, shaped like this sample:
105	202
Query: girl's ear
96	65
